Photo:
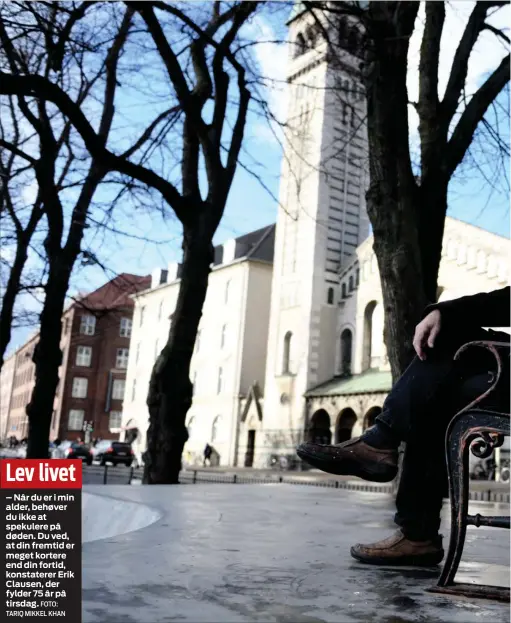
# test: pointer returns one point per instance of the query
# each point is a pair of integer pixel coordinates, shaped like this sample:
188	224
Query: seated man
417	411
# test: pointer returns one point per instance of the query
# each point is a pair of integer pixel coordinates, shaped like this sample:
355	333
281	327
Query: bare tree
19	221
407	210
39	40
199	71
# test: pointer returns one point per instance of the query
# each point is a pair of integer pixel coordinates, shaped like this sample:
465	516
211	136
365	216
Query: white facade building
299	344
230	350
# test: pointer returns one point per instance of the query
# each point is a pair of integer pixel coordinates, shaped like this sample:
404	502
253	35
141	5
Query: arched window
330	296
357	280
346	352
222	336
343	31
160	310
300	45
368	335
219	380
352	287
344	293
352	42
311	35
286	359
215	428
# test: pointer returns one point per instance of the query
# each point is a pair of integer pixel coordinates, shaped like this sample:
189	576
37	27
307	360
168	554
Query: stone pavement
231	553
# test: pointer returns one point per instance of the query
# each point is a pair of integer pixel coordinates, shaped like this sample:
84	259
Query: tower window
286	359
300	45
344	293
330	296
351	283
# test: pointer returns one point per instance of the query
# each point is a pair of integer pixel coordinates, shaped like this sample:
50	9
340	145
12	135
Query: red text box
40	474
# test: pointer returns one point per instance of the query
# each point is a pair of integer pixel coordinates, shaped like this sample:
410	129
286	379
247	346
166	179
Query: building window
126	326
197	341
219	381
66	326
357	280
80	386
115	420
352	287
84	356
222	337
142	314
118	389
137	354
215	428
346	352
286	359
75	420
121	359
87	325
134	390
160	310
227	286
344	293
330	296
300	45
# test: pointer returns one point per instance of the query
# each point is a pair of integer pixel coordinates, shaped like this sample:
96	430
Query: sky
250	206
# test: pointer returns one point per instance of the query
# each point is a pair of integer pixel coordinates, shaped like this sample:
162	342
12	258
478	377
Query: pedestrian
208	451
417	411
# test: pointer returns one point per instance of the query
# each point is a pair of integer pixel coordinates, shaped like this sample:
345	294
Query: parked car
113	452
72	450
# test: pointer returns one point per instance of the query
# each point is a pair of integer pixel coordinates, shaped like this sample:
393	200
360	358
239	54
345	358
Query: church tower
321	221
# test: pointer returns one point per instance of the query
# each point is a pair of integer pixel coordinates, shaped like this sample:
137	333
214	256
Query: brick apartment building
96	331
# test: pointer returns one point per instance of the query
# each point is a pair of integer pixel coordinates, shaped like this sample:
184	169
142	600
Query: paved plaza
280	553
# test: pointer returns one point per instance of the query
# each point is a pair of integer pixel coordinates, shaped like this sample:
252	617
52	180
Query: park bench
480	430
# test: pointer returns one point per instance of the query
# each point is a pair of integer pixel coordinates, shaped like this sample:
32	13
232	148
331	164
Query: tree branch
18	152
429	56
36	86
474	113
459	68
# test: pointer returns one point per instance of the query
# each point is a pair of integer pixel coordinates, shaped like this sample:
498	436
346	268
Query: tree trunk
11	292
432	204
170	388
47	358
393	193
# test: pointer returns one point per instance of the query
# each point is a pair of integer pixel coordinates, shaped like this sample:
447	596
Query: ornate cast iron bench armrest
480	430
499	350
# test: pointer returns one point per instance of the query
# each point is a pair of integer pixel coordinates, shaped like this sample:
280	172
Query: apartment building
96	332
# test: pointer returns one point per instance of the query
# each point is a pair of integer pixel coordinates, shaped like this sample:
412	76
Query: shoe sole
423	560
373	472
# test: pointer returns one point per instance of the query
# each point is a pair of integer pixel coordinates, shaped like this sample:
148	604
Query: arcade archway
344	425
319	428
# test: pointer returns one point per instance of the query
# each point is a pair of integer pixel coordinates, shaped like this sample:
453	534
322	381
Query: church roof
368	382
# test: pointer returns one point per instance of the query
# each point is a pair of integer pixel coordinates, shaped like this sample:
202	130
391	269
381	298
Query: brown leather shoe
351	458
398	550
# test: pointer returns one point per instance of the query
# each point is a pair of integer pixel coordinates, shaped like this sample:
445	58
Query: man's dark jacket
488	309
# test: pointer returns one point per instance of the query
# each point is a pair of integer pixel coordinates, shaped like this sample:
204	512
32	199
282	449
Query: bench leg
462	431
457	467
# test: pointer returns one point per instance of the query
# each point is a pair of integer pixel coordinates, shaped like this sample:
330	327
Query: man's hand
426	333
